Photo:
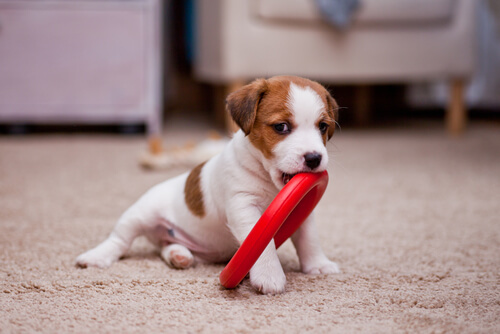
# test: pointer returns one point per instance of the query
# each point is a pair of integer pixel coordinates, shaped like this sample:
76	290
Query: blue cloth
338	12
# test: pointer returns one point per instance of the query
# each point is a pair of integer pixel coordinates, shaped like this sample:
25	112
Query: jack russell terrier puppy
285	123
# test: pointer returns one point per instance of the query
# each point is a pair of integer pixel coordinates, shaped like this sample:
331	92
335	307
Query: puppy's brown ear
332	110
242	105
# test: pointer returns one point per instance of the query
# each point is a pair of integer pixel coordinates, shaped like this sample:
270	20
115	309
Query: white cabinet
77	61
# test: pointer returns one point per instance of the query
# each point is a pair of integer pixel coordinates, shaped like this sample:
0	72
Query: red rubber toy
293	204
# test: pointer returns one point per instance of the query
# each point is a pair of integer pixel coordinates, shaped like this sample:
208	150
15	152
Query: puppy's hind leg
177	256
129	227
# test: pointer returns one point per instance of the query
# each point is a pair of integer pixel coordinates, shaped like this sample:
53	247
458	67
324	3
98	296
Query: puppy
285	123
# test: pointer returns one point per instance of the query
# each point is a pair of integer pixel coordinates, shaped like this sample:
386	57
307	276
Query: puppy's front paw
271	281
323	266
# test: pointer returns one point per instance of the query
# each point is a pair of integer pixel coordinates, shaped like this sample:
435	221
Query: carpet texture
410	216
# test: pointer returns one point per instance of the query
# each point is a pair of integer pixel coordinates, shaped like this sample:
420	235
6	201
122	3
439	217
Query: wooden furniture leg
155	115
456	116
362	105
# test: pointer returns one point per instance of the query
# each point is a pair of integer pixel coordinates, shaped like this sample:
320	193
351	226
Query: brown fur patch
193	194
272	110
332	110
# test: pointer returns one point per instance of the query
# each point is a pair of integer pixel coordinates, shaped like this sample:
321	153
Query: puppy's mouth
287	177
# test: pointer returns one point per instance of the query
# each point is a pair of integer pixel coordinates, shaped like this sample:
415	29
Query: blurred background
134	66
91	90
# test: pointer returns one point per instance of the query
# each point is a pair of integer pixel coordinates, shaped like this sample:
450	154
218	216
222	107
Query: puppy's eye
323	127
282	128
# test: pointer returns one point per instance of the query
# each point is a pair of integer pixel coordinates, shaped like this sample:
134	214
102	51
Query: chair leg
456	116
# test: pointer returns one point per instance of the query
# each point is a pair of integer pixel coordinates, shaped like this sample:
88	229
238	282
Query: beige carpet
411	217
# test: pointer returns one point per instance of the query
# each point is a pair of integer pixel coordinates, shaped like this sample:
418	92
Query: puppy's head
288	119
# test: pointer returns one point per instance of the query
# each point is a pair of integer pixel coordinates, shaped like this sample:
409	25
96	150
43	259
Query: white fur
237	186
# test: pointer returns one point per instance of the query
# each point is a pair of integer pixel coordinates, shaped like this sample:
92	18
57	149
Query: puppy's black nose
312	159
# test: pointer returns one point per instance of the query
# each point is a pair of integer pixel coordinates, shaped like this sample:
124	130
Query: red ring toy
293	204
